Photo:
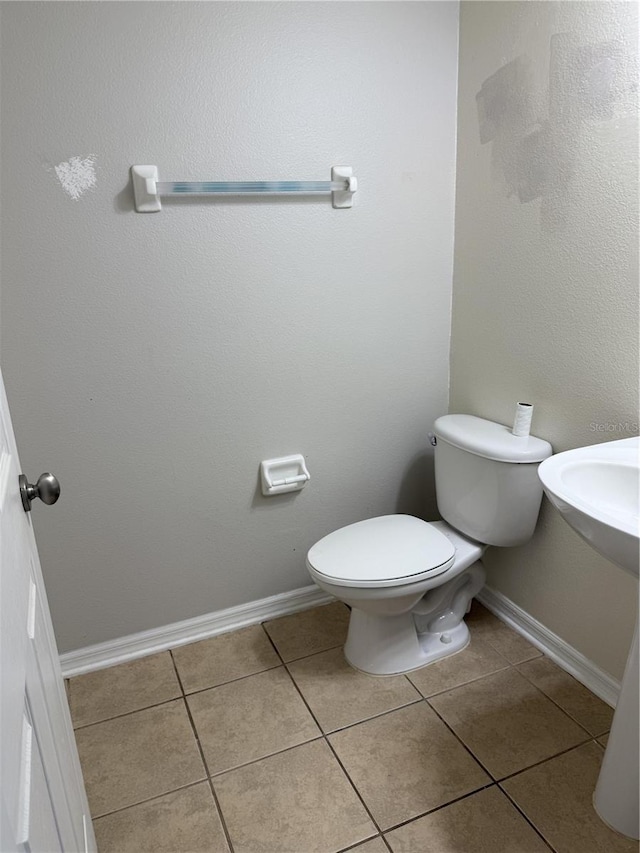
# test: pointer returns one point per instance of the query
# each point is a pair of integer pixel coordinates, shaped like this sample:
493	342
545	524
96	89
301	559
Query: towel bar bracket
343	198
145	191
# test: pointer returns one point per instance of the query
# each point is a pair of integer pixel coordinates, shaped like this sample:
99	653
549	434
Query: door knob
47	489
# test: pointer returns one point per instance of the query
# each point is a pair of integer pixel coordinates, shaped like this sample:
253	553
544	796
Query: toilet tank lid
491	440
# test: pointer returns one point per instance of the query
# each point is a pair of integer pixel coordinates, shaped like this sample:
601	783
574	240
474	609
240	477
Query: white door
43	802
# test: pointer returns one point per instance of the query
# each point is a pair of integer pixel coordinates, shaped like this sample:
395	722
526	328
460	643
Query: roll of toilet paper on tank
522	420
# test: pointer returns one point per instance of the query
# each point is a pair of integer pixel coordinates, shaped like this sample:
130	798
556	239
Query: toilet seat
391	550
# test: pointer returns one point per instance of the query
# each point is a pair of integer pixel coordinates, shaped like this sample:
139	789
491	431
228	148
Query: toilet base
372	655
434	628
370	647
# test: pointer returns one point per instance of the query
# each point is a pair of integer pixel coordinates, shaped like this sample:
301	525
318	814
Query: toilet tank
487	483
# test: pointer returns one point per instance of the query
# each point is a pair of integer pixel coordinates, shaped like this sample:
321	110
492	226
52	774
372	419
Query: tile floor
265	741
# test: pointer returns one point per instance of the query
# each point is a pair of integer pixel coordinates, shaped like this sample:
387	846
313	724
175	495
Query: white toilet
410	582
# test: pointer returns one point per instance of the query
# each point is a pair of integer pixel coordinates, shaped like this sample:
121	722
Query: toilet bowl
413	615
410	582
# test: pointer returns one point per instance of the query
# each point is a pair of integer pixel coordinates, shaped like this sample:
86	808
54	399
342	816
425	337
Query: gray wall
152	361
545	303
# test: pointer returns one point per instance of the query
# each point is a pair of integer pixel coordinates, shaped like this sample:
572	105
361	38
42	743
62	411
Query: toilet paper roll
522	420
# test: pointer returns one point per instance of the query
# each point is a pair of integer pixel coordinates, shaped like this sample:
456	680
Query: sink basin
596	489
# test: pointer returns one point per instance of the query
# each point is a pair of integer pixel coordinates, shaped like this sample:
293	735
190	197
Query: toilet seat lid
390	549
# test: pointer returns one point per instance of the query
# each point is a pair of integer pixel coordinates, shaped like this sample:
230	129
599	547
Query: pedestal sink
596	489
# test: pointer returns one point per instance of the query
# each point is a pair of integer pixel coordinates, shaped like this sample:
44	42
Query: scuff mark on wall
537	133
77	175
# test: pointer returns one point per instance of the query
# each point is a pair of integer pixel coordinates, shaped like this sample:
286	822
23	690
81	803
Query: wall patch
77	175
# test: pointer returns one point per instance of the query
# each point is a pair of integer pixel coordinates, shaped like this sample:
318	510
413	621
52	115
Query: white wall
152	361
545	305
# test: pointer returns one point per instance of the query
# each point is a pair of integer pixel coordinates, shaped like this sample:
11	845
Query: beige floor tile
298	801
405	763
504	639
478	659
556	797
223	658
604	740
485	822
138	756
506	722
250	719
120	689
569	694
186	820
311	631
376	845
339	695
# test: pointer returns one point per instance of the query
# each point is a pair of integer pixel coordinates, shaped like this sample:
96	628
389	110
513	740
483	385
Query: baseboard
568	658
155	640
145	643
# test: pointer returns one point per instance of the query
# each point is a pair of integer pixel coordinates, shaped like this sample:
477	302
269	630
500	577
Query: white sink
596	490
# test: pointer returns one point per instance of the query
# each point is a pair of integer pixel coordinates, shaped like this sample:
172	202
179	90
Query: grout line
129	713
588	734
486	638
216	802
230	681
149	799
459	739
462	684
321	733
372	717
442	806
273	645
223	822
302	657
557	704
217	773
516	772
353	785
319	736
544	760
356	722
177	672
326	740
531	824
313	654
353	848
184	694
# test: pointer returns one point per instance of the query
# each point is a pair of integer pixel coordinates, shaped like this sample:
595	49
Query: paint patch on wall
537	134
505	100
77	175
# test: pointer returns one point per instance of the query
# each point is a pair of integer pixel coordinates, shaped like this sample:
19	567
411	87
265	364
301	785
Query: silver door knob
47	489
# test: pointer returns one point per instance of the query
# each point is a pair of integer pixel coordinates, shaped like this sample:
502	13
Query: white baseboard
568	658
145	643
155	640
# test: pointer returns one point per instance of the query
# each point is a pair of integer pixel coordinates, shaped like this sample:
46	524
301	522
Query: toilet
410	582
